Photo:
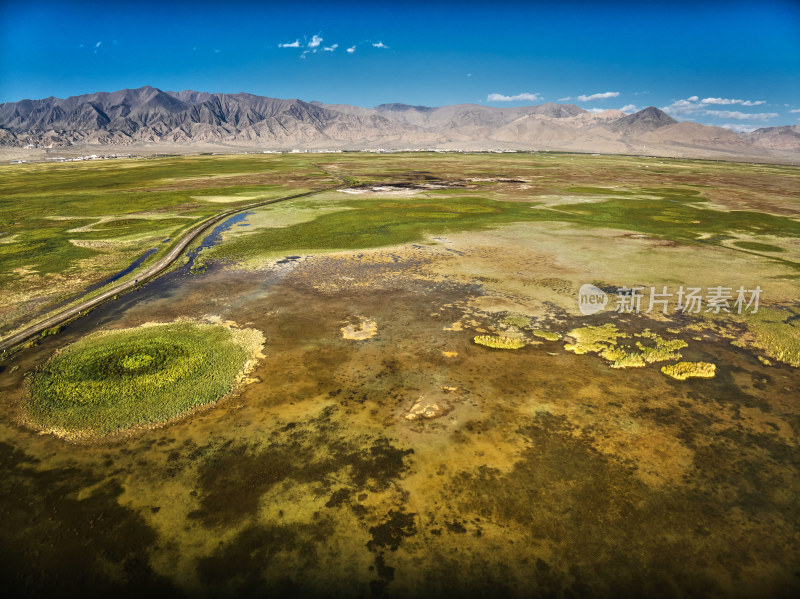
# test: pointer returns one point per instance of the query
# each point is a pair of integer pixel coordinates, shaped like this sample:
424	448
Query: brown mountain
643	121
776	138
189	121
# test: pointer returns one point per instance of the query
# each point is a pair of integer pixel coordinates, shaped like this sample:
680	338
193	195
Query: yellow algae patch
602	340
622	358
664	349
450	354
546	335
456	326
684	370
499	342
366	329
593	339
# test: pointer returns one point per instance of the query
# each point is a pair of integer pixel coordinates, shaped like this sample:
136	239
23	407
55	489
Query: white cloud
736	128
722	101
680	107
380	45
331	48
735	114
98	44
795	110
629	108
695	105
517	98
315	41
351	49
564	99
600	96
596	110
294	44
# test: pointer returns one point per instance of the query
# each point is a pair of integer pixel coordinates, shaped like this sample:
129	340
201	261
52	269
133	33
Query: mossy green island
115	380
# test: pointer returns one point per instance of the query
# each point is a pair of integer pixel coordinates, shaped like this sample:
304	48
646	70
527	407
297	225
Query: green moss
684	370
776	333
137	377
547	335
498	342
517	320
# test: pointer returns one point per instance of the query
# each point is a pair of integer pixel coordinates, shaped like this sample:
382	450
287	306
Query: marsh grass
684	370
115	380
499	342
362	224
605	341
591	339
776	332
546	335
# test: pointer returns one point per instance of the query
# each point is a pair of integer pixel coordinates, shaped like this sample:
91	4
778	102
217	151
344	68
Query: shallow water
547	472
118	275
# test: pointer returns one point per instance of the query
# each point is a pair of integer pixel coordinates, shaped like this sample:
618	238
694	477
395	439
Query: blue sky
722	63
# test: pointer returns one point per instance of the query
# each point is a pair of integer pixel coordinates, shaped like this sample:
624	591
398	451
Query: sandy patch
366	329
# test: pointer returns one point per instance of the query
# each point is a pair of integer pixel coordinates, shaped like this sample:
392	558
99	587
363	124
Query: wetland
387	389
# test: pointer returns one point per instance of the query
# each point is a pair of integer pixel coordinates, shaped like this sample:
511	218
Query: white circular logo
591	299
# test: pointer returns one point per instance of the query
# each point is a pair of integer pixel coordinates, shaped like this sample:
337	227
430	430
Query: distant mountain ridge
148	115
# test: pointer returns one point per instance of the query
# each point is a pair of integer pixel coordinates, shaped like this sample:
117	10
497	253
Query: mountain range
193	121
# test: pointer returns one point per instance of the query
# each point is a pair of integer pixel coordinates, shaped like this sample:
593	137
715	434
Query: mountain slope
147	116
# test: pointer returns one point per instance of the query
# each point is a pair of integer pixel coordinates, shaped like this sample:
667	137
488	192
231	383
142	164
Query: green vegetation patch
663	350
547	335
776	333
499	342
757	246
684	370
679	215
147	375
604	341
593	339
517	320
362	224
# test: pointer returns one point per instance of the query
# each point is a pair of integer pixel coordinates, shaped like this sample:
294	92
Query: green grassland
66	226
681	216
135	377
